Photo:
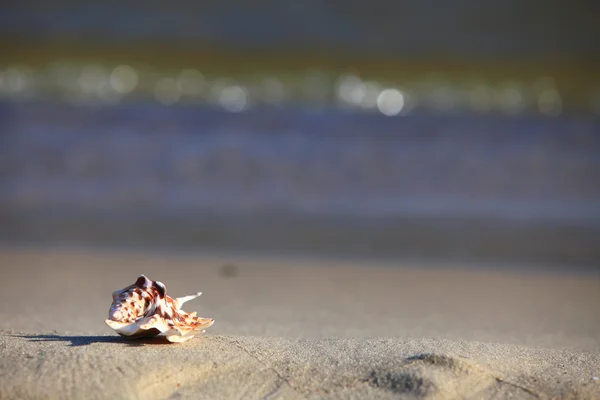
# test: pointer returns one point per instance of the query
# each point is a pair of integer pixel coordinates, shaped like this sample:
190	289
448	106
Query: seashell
144	310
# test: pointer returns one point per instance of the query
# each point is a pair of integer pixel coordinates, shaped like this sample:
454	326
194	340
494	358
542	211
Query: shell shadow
86	340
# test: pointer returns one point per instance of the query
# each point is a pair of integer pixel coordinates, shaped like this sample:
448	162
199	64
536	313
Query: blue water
143	155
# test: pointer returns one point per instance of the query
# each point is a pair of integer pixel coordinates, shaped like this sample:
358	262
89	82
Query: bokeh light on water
96	82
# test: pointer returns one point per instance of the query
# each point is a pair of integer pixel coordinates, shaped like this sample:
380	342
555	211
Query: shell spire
145	310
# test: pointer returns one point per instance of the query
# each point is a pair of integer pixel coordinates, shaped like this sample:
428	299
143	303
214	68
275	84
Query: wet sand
299	328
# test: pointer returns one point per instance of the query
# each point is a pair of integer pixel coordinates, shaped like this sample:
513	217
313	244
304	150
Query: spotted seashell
144	310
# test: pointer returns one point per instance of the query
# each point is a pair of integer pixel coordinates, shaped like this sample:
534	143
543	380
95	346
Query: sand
299	328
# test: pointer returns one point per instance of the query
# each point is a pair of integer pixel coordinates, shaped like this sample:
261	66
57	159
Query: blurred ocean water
468	130
468	28
137	155
295	179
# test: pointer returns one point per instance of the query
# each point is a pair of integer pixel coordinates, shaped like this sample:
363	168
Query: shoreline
427	238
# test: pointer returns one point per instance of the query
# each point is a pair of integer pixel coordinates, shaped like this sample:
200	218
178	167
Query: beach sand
293	327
